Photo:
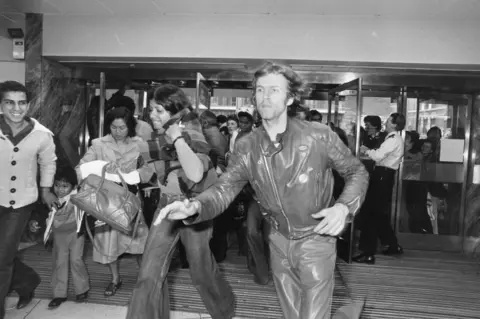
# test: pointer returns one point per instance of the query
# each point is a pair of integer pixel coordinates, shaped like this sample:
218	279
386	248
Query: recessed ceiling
391	9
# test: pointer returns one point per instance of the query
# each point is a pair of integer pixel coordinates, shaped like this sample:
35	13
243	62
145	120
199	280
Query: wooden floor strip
418	285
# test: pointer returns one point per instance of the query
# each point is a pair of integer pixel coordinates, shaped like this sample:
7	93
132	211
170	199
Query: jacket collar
110	142
109	139
39	127
268	147
36	126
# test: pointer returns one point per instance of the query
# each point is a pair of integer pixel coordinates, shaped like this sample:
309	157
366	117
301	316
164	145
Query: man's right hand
178	210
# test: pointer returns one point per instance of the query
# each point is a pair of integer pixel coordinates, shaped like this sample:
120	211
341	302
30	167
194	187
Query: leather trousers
150	299
303	273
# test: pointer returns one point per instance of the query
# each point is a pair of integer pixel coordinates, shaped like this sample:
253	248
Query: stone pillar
57	98
472	204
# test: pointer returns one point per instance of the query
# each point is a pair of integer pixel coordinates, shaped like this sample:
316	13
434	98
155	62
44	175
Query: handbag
108	202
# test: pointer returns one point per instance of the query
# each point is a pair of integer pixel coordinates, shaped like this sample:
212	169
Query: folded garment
96	167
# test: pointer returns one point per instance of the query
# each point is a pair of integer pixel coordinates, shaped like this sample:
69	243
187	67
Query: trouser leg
77	265
206	277
303	272
60	264
287	283
12	225
150	297
314	259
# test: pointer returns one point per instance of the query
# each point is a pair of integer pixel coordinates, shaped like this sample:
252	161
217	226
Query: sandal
112	288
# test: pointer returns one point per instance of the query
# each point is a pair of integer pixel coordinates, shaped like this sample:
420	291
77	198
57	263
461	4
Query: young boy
67	243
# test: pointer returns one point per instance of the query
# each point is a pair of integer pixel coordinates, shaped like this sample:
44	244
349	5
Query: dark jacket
219	145
292	181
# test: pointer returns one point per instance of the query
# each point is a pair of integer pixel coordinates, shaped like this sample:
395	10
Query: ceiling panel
83	7
217	6
39	6
132	7
443	9
405	9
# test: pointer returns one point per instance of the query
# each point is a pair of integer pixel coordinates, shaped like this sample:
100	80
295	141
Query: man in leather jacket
289	164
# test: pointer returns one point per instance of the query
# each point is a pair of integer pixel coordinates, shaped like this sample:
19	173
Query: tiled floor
70	310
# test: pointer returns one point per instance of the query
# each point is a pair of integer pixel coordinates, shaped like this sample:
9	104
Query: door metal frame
103	92
89	92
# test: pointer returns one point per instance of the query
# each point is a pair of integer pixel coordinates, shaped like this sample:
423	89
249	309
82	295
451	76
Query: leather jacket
291	180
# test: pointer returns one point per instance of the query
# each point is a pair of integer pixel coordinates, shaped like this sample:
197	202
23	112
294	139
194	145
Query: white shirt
390	153
232	140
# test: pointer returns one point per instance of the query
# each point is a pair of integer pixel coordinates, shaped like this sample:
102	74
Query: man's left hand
334	220
48	198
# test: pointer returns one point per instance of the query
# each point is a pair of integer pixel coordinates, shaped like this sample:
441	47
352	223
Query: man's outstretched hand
178	210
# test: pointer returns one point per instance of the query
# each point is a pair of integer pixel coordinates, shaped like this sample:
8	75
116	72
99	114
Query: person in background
224	131
142	128
221	121
215	139
219	144
302	113
288	162
342	135
93	113
412	146
68	245
315	116
246	118
232	125
374	135
27	148
376	222
120	147
252	226
435	135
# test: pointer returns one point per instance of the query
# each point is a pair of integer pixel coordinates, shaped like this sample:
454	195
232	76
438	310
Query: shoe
259	281
112	288
396	250
82	297
56	302
364	259
24	301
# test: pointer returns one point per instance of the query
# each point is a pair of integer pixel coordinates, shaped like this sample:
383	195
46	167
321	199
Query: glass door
344	112
432	187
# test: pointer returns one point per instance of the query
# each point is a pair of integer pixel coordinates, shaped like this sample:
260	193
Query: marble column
472	211
57	98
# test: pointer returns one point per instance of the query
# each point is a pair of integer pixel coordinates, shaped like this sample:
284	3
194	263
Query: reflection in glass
433	168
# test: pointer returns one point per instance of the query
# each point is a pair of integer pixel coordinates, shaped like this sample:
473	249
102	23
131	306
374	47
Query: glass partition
434	171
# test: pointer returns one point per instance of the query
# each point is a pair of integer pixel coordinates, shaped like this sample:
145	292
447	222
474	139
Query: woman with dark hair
233	130
180	155
121	149
142	129
412	146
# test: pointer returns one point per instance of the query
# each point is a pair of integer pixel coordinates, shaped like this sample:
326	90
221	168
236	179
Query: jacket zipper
317	193
275	190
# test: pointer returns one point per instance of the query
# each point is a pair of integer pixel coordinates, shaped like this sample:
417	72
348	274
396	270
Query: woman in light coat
121	148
